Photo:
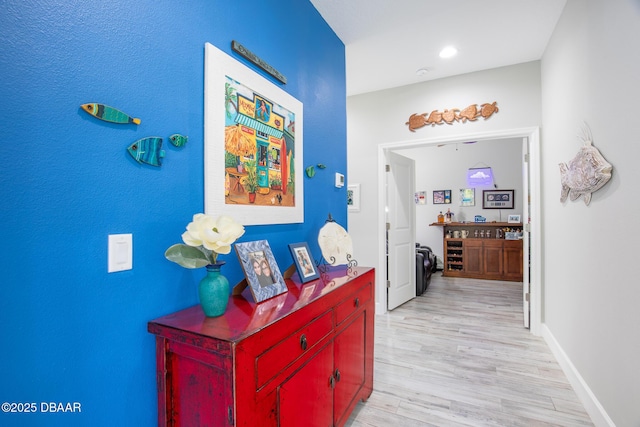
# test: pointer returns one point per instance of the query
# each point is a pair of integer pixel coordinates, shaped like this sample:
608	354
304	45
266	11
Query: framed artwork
467	197
260	269
497	199
441	197
304	262
353	197
513	219
252	145
421	198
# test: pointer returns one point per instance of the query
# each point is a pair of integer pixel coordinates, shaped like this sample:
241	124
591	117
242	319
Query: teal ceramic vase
213	290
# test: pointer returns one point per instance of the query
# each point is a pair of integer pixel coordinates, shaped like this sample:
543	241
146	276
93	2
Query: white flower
205	238
214	234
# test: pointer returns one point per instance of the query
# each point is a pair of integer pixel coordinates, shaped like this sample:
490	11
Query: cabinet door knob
337	375
357	302
332	382
303	342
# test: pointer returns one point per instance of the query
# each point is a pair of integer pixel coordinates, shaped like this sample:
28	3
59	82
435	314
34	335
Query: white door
401	254
526	209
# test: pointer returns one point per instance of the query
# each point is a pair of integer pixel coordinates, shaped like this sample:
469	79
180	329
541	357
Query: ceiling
387	41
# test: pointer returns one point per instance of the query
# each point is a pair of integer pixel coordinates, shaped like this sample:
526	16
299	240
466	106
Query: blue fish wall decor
178	140
147	150
109	114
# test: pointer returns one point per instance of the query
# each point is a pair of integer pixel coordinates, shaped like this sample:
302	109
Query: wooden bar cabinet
481	255
304	357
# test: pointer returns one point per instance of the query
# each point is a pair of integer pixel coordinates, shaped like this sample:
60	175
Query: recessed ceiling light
422	71
448	52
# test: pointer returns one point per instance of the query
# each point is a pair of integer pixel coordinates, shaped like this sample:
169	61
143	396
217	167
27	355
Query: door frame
533	135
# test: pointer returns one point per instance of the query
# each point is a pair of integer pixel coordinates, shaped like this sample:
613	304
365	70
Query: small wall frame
498	199
467	197
442	197
353	197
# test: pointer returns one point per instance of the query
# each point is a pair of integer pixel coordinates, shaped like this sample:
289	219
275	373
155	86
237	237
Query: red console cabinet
302	358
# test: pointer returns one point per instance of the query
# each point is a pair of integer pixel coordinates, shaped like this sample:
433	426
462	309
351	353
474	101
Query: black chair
425	266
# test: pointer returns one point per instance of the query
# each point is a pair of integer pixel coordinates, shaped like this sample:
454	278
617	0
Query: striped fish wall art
109	114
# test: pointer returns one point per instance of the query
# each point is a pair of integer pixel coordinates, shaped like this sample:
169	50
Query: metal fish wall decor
587	172
109	114
471	113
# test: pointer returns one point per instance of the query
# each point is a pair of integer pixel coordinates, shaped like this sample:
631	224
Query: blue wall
71	332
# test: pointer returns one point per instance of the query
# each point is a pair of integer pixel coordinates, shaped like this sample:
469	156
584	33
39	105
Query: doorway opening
531	213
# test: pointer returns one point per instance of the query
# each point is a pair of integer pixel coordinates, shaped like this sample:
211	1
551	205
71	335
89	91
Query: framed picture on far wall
513	219
497	199
304	262
442	197
260	269
467	197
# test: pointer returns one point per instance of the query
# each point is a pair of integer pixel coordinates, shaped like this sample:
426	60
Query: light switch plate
120	252
339	180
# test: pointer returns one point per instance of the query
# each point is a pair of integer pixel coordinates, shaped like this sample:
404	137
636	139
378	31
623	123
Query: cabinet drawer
281	355
352	303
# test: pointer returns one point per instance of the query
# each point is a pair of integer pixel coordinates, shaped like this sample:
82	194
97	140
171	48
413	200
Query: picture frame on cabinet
253	145
303	260
498	199
513	219
260	269
442	197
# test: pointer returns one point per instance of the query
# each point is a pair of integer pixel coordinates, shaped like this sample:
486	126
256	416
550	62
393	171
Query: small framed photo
260	269
441	197
421	197
353	197
304	263
513	219
497	199
467	197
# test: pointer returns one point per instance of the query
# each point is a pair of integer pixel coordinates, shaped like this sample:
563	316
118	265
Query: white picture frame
353	197
219	65
513	219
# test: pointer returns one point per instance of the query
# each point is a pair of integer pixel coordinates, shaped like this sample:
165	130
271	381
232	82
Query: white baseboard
591	404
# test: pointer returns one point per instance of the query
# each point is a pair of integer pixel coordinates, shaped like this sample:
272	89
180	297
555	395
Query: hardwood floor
459	356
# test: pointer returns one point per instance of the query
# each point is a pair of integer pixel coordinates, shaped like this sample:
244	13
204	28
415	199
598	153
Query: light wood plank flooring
459	356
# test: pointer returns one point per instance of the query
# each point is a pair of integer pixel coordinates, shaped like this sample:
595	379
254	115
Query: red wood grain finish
308	351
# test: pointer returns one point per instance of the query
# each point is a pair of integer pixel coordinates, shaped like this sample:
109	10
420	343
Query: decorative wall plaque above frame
257	60
252	140
471	113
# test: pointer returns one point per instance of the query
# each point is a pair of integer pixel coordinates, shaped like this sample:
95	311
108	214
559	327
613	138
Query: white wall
380	117
445	168
591	72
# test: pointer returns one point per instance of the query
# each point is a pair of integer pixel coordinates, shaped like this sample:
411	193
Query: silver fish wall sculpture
586	173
